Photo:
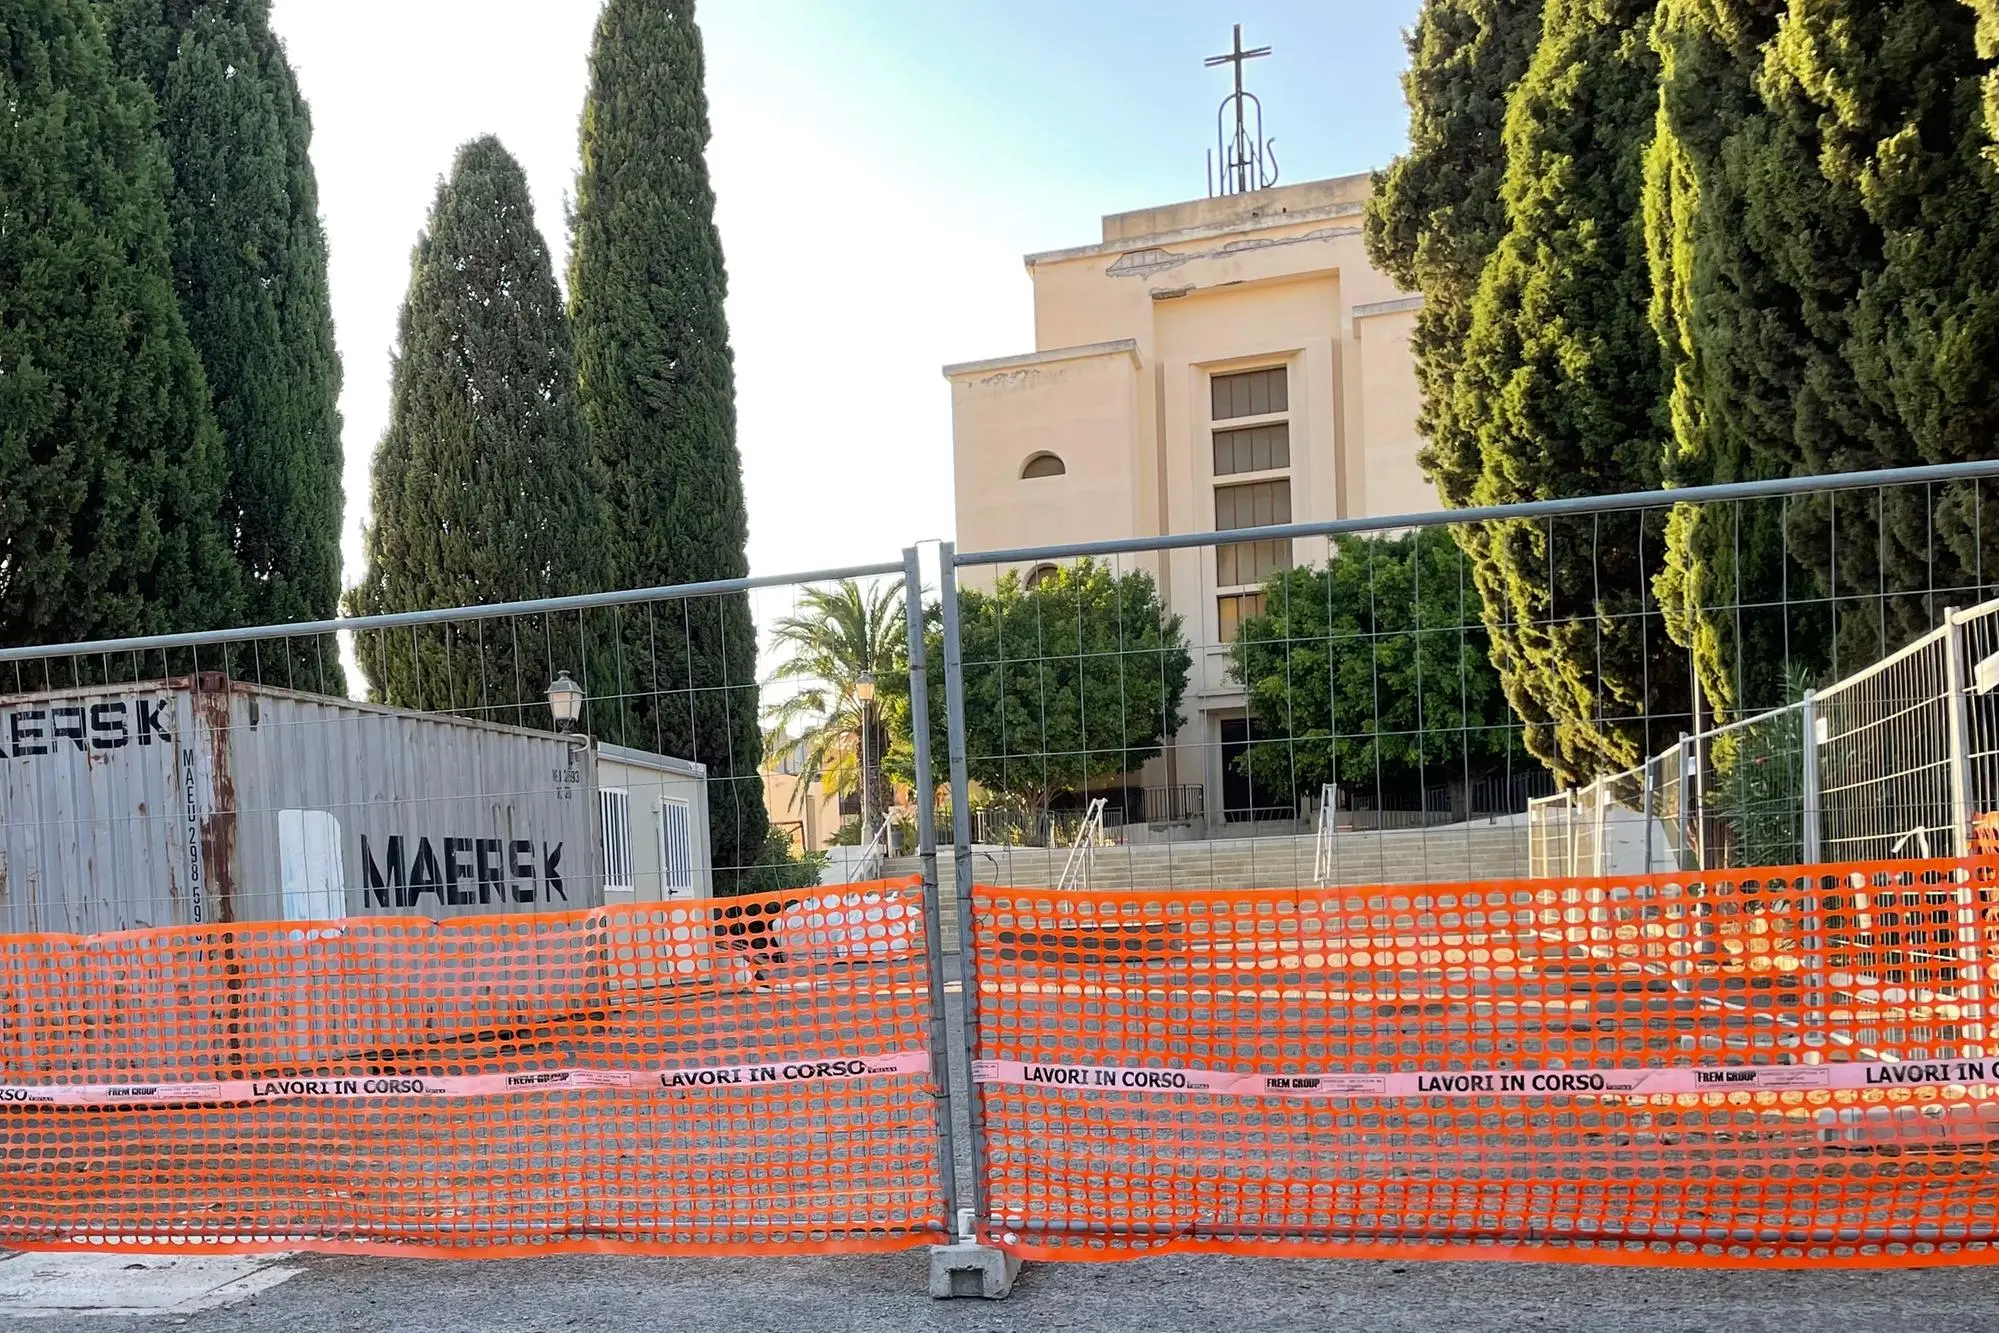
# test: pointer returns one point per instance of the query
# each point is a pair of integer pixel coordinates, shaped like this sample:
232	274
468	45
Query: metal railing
877	850
1083	851
1173	804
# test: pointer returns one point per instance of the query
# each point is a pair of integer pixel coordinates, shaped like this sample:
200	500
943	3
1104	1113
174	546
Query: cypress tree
110	519
1436	214
1903	84
1735	342
658	382
249	258
483	486
1987	12
1761	253
1822	268
1565	383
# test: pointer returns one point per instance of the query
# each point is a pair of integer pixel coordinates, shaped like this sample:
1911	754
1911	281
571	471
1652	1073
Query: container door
676	850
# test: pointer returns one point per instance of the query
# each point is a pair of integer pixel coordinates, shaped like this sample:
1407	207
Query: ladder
1083	854
1322	851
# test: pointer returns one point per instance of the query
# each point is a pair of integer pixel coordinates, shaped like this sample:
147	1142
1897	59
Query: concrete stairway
1406	856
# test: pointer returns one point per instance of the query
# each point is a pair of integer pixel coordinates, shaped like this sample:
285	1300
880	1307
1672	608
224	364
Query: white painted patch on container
309	864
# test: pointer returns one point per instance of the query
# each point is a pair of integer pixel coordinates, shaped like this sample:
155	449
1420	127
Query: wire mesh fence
1403	695
1885	758
1408	698
1501	699
1223	727
1212	1042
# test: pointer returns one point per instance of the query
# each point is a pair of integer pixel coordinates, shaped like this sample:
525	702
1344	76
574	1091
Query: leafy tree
1564	379
1436	213
1069	684
838	634
777	867
484	490
658	385
110	520
249	268
1373	672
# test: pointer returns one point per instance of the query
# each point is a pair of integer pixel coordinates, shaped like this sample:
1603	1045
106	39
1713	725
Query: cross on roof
1236	57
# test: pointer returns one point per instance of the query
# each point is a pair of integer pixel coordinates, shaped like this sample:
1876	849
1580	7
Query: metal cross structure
1248	161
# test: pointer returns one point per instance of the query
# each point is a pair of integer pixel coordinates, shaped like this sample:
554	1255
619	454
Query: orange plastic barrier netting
1783	1068
746	1075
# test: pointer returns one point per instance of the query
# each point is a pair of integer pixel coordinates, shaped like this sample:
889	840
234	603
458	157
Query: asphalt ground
1192	1293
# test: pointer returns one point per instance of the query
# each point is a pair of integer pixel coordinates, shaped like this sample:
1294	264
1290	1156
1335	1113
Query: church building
1223	363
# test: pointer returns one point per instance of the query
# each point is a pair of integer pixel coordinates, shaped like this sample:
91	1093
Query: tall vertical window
1253	449
616	808
1251	438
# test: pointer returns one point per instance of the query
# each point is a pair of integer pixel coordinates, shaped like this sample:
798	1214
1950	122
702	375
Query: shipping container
200	799
654	820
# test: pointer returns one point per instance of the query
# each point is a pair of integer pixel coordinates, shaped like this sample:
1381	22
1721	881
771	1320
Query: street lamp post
565	702
864	691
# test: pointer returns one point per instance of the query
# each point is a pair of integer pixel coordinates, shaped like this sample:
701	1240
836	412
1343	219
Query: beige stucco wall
812	822
1385	451
1081	408
1126	332
1341	194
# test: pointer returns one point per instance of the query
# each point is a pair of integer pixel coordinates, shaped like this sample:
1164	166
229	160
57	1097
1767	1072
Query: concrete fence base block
971	1270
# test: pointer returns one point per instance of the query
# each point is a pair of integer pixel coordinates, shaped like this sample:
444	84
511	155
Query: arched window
1039	575
1042	465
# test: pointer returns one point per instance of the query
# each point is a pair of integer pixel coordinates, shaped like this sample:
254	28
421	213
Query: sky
880	168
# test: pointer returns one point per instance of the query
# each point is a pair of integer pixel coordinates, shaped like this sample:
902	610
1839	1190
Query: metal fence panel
1679	847
1980	650
1198	1047
260	1086
1551	844
1120	669
446	970
1898	759
1120	679
1884	759
1714	1068
1752	798
1135	692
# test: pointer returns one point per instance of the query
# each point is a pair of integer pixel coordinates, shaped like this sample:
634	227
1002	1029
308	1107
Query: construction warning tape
341	1087
1852	1075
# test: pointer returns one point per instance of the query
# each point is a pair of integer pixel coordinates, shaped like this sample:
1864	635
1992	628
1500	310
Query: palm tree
840	638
